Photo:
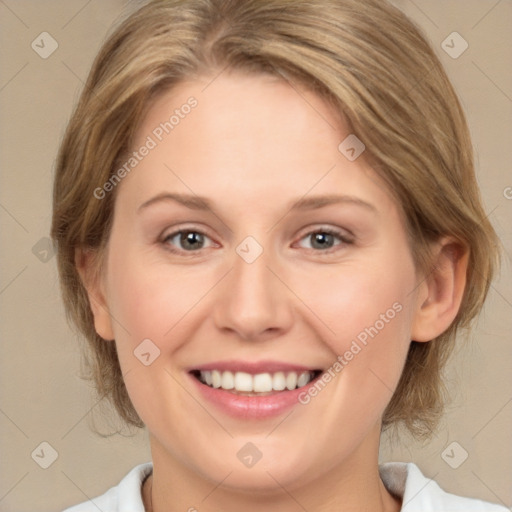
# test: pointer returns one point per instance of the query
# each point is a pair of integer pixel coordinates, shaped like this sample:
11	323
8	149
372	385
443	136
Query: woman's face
248	246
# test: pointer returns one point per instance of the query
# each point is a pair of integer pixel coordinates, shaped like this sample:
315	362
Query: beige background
41	397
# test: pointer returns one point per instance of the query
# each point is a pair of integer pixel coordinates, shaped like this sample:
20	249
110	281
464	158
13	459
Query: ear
440	294
86	262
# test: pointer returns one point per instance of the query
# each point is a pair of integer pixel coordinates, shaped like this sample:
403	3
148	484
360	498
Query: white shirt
418	493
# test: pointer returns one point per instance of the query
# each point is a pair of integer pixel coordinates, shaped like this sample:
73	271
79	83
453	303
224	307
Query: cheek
131	284
366	314
147	305
143	305
149	300
363	300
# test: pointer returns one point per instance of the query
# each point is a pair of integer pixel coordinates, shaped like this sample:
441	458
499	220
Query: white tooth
259	383
216	379
243	381
262	382
291	381
279	381
206	376
228	382
303	379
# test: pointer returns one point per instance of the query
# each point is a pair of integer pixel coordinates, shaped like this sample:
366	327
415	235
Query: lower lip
251	407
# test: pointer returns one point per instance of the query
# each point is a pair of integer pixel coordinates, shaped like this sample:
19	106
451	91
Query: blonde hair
365	58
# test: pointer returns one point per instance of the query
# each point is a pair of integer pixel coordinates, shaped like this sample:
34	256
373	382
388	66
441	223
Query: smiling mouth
260	384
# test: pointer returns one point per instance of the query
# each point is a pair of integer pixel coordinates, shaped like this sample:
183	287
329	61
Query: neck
352	486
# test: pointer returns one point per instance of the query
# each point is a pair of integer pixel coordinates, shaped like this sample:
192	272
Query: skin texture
252	146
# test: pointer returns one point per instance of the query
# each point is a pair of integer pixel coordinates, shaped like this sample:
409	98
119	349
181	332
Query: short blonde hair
365	58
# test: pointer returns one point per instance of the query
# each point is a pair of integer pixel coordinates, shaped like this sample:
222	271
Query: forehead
247	136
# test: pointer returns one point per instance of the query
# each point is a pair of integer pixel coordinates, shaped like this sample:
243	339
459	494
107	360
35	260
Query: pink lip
251	407
253	367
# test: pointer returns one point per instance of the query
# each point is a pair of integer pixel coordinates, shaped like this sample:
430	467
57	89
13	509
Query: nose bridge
253	301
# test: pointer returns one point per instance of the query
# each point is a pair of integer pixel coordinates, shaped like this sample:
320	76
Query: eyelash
344	240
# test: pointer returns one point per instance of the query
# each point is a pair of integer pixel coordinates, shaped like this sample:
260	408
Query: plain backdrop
42	399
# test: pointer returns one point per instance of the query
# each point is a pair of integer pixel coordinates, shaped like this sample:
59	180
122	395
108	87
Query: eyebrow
195	202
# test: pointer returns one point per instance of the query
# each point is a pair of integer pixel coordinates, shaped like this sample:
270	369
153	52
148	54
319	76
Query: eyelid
345	237
171	234
335	230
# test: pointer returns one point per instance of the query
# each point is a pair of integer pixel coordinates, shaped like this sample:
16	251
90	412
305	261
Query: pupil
190	238
324	239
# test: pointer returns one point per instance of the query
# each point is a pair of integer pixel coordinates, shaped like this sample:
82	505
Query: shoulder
124	496
422	494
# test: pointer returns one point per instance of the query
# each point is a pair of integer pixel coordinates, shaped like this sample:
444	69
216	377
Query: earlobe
86	262
440	294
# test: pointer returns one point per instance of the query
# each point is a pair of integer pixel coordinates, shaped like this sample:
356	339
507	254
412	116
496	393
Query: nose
254	301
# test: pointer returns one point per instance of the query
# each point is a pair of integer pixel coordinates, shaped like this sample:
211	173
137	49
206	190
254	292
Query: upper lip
253	367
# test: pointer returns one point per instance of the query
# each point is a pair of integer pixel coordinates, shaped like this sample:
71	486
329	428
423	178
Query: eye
188	240
324	239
